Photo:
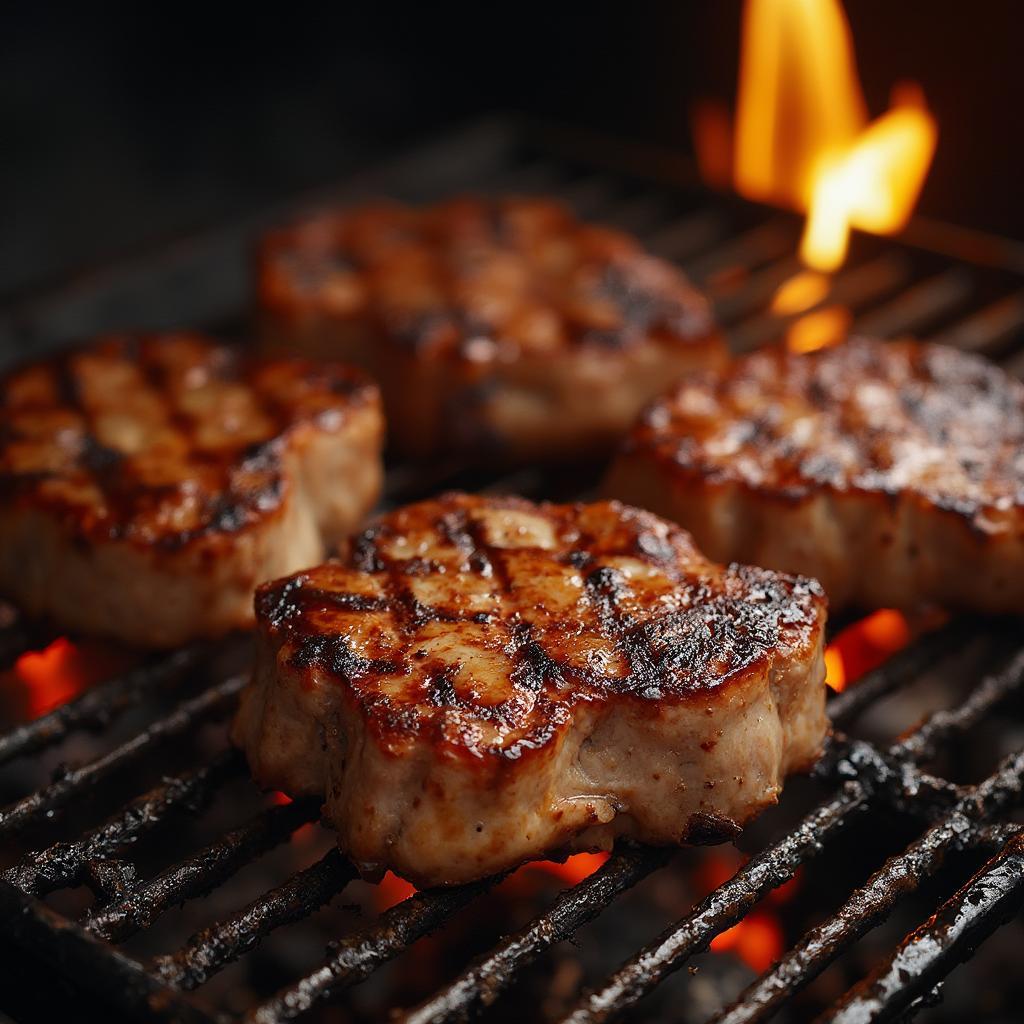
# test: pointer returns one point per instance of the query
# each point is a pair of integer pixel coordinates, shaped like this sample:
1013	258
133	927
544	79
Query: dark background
124	128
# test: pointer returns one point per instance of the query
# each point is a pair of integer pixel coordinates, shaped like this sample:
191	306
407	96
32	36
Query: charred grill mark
240	483
441	688
605	587
334	654
100	460
366	554
486	559
533	668
456	245
280	601
734	619
456	528
885	418
579	559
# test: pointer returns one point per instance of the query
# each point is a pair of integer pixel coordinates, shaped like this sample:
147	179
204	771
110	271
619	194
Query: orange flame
802	138
872	183
864	646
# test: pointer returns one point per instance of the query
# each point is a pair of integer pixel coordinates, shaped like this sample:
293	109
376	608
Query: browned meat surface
481	681
891	472
502	326
148	484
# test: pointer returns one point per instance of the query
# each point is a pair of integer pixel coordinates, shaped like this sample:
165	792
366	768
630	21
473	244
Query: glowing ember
802	138
835	673
864	646
60	672
757	940
391	890
819	329
575	868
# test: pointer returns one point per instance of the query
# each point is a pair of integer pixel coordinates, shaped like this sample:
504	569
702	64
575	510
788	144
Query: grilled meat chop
499	325
891	472
480	681
148	484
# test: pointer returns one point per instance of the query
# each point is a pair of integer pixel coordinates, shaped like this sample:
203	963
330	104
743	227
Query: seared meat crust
148	484
501	325
481	681
891	472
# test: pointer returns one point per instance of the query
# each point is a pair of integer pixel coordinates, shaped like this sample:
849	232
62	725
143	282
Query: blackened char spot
605	586
365	553
534	667
276	603
99	458
441	689
703	829
333	654
228	514
579	559
347	602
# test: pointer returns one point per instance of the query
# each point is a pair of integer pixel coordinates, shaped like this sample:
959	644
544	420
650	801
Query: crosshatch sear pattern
138	474
501	324
571	658
883	469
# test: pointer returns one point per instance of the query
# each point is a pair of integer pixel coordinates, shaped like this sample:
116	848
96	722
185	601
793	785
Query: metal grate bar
63	863
869	906
74	954
741	256
357	956
992	690
639	214
771	240
685	238
853	288
776	864
96	708
756	293
988	900
988	329
201	872
919	305
76	781
220	944
481	983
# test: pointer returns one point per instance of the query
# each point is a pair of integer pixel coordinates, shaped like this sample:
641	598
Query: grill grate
741	255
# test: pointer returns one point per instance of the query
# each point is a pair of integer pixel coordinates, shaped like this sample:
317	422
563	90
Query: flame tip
801	132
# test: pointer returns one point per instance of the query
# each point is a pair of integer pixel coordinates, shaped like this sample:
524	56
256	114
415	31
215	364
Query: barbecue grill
83	902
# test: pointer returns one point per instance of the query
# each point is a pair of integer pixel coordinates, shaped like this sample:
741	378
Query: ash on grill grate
151	876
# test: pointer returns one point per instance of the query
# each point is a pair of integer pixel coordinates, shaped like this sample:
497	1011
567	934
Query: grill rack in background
741	254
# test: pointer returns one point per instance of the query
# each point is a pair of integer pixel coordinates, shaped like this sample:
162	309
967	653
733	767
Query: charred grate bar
741	255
